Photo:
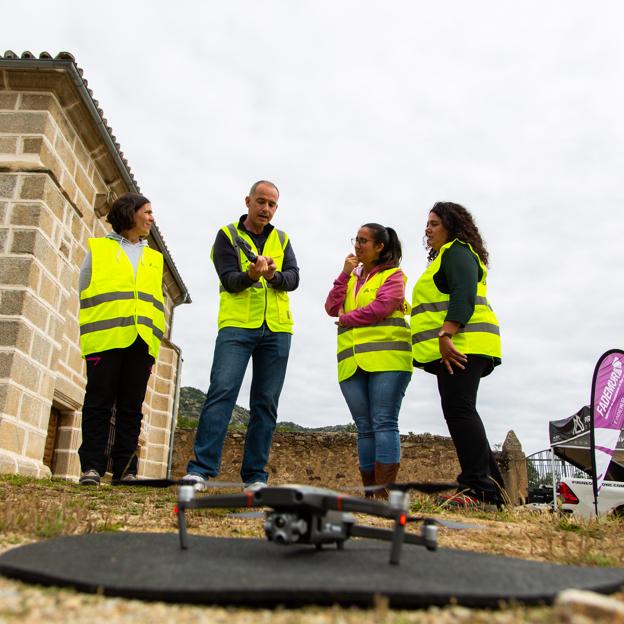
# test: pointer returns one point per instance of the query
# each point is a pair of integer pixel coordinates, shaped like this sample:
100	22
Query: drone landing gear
182	529
185	495
428	538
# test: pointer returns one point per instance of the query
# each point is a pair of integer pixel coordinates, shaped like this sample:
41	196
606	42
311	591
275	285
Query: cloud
362	114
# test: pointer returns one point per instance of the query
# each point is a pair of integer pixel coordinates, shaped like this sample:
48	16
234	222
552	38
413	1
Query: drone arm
358	505
186	501
384	534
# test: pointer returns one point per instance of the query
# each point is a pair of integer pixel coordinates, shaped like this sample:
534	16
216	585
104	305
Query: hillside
192	400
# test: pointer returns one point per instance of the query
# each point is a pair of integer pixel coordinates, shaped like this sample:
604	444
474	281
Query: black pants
458	393
117	377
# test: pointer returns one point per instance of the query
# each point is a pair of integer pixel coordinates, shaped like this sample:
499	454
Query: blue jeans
269	353
374	400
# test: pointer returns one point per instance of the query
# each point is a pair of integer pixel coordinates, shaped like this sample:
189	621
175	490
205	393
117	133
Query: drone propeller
247	515
445	523
163	483
426	487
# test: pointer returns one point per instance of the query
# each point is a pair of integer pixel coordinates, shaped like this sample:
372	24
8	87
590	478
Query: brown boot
368	478
385	473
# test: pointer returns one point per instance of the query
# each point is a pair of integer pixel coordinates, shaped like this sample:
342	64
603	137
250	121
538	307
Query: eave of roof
67	62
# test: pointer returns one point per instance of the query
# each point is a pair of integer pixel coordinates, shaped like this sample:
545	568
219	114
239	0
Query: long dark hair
121	214
459	224
391	253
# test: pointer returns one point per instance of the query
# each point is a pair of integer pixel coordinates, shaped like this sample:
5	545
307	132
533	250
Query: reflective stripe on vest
106	297
481	334
116	307
383	346
260	302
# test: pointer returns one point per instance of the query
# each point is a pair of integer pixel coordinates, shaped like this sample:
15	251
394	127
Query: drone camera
284	528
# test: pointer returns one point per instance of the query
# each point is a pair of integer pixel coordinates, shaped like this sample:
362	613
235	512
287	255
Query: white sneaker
255	486
199	483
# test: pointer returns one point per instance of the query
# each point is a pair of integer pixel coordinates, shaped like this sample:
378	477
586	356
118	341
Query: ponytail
391	253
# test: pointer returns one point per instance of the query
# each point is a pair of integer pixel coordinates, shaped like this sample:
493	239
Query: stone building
60	170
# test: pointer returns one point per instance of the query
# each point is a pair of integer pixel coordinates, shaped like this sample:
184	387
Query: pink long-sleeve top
390	297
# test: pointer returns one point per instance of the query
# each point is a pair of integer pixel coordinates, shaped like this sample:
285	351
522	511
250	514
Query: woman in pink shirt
374	347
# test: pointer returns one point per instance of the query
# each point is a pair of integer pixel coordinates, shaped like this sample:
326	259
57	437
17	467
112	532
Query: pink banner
607	411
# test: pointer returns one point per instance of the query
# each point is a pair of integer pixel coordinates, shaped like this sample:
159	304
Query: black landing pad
253	572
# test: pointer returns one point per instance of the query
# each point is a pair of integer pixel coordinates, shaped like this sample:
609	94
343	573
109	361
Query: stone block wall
55	185
326	459
330	459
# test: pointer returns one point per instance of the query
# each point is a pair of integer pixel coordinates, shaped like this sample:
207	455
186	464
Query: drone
301	514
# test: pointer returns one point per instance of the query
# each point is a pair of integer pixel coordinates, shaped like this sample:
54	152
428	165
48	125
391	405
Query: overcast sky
372	111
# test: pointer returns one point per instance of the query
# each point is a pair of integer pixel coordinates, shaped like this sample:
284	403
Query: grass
35	509
32	510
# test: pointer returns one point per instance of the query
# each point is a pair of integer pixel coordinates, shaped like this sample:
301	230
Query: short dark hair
255	185
391	253
121	214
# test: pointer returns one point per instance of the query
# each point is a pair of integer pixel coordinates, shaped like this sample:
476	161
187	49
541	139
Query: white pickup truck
577	497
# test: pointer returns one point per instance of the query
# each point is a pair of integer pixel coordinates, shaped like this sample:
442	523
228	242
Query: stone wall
330	459
327	459
57	180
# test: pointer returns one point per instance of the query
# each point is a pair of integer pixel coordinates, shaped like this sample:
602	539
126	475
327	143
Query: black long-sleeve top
458	277
226	261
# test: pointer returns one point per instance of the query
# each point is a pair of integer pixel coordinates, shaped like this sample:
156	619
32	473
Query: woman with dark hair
122	322
455	336
374	352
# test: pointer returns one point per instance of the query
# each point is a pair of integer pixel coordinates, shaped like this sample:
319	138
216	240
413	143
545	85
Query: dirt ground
33	510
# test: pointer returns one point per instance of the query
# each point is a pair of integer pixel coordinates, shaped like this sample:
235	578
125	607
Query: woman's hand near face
350	263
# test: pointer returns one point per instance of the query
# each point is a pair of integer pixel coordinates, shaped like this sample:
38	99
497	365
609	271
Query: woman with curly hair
455	336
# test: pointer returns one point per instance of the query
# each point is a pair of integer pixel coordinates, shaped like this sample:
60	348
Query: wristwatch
444	333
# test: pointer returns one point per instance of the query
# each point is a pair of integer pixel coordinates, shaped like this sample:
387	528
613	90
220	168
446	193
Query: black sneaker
89	477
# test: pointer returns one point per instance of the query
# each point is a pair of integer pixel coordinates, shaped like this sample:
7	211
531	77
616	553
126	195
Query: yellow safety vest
116	306
481	334
260	302
384	346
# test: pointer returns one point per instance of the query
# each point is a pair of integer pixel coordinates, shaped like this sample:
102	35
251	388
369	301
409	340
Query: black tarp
570	440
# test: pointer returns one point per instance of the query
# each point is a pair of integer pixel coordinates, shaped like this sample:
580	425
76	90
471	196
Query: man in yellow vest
122	321
257	269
